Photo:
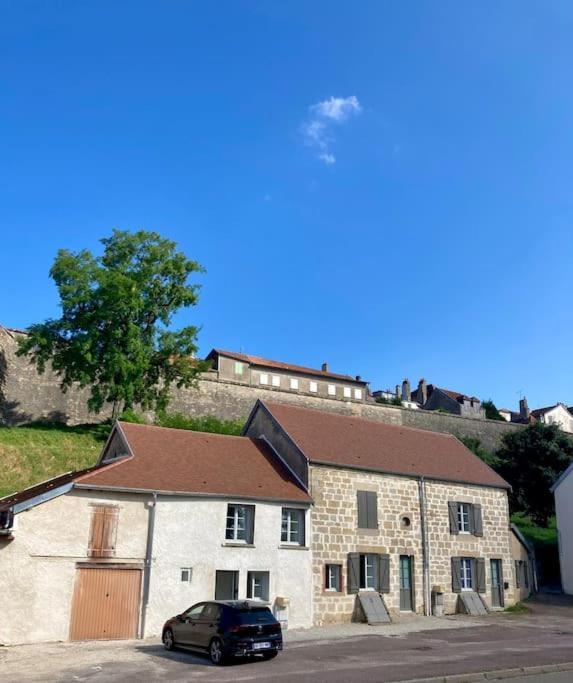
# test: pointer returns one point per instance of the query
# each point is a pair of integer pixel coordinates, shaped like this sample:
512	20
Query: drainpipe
147	566
425	552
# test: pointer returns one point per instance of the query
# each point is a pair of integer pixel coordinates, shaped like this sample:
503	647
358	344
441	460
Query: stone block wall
26	396
335	533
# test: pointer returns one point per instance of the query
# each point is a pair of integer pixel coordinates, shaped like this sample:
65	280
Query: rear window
259	615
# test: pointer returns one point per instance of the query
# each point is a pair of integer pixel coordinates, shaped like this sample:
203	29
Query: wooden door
106	604
406	584
496	584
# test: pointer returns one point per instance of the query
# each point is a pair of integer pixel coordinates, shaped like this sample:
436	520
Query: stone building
431	397
278	376
404	512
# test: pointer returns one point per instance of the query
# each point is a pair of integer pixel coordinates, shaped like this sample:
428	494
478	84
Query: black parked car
226	629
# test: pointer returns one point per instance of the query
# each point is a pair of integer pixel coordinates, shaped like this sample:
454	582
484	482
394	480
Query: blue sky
385	186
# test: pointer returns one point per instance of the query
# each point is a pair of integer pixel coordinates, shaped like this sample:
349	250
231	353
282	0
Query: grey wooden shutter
362	509
384	576
517	574
453	511
250	513
413	580
372	509
479	581
353	573
456	575
477	522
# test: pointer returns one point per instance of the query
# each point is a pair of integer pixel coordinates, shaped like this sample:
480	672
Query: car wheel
168	640
270	655
216	652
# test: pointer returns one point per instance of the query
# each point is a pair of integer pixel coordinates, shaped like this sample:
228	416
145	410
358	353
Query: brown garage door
105	604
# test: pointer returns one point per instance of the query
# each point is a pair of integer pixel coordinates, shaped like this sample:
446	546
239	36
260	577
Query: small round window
405	522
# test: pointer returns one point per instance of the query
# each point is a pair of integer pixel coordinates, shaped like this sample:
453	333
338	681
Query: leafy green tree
113	333
531	460
491	411
475	446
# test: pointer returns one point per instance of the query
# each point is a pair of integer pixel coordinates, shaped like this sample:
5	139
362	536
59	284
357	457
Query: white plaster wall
559	416
191	533
37	568
564	511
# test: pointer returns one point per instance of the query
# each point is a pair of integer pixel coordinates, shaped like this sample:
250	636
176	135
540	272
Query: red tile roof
344	440
265	362
181	461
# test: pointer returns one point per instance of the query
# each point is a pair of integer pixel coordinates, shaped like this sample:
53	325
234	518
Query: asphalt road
502	644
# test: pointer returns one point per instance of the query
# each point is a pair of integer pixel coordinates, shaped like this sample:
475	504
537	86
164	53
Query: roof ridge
361	419
183	430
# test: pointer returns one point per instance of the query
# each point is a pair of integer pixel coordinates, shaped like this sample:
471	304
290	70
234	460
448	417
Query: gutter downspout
147	565
425	553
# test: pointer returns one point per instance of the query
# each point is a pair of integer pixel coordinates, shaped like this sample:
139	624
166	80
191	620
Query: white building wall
191	533
564	511
37	568
559	416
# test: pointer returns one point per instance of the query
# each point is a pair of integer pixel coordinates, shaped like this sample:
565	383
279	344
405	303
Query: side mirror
179	617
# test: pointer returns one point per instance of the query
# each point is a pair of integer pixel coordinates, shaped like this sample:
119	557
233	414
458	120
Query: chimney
406	392
422	392
325	367
524	409
358	378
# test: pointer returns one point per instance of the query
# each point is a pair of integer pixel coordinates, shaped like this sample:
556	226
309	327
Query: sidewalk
401	626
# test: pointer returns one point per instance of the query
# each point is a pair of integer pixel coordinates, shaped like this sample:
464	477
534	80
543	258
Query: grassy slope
37	452
34	453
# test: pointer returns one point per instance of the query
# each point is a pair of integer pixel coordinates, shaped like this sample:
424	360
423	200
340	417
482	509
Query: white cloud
324	115
337	108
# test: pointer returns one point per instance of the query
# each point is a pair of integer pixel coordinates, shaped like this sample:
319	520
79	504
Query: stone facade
336	534
26	396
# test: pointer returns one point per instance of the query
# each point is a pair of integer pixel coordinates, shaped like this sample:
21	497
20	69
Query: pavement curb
500	674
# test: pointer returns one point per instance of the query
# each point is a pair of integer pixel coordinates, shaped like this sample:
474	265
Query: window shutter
413	580
453	510
362	510
372	509
479	581
384	576
517	574
109	531
250	513
522	573
477	522
456	575
353	578
302	529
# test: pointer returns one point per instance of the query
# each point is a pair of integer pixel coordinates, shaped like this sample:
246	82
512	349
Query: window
368	572
367	509
464	518
331	390
347	392
240	523
263	378
333	578
276	380
194	612
293	383
186	574
239	367
313	386
103	531
258	586
211	612
466	574
358	394
292	526
226	585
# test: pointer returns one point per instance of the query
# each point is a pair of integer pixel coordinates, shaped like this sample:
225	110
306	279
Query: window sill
288	546
231	544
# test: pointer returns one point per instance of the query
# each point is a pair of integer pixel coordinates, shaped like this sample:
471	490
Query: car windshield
258	615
